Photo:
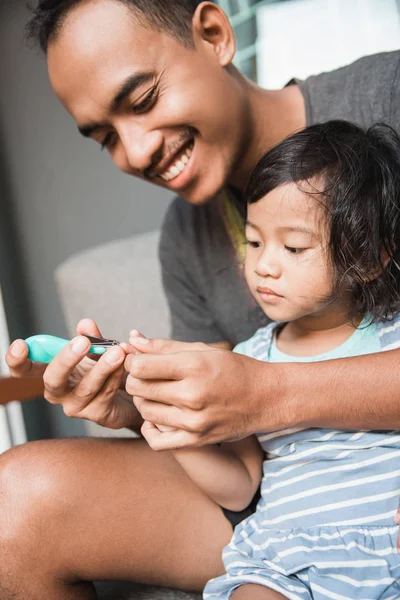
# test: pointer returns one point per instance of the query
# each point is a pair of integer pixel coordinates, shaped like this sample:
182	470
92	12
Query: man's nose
143	149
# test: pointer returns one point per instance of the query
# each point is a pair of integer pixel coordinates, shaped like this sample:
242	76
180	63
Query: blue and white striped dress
324	525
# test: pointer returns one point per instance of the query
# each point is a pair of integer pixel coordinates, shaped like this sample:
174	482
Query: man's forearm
361	392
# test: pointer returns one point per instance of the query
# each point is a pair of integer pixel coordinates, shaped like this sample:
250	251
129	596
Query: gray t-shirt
208	297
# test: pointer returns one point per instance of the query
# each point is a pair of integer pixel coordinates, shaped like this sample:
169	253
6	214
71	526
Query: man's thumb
88	327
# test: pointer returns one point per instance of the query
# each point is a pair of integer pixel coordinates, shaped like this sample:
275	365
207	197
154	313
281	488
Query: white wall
298	38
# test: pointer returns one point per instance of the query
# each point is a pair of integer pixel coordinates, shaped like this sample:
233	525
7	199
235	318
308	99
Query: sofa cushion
119	590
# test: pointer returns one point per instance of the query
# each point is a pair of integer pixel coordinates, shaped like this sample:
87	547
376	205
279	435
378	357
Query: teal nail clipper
43	348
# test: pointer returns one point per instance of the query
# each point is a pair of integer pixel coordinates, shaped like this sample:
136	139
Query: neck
313	335
271	116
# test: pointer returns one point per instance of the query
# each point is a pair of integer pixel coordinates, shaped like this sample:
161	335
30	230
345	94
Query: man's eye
294	250
145	103
107	140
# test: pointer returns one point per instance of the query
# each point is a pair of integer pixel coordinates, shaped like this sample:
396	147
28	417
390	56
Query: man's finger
61	367
104	376
161	346
18	362
171	367
95	397
162	414
157	391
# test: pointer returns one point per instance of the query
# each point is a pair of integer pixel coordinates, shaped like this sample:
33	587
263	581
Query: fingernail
134	333
80	344
17	349
397	518
139	340
112	355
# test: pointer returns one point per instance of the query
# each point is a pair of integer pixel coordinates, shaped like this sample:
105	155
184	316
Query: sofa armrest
20	389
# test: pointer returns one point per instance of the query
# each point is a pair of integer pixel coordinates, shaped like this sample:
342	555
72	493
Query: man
152	81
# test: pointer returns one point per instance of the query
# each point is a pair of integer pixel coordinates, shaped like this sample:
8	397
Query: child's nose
268	264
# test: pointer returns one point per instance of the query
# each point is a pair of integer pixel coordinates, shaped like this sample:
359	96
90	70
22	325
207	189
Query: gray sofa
119	285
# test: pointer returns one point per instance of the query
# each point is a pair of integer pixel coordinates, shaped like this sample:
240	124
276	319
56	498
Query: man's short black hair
355	175
173	17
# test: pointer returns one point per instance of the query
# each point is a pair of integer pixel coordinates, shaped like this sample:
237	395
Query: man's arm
210	395
361	392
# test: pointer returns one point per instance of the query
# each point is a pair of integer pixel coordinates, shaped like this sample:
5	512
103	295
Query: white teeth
178	166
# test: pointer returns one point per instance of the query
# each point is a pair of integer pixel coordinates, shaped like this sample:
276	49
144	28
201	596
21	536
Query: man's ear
211	25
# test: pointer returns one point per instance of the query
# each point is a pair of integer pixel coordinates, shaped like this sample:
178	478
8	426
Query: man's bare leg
252	591
76	511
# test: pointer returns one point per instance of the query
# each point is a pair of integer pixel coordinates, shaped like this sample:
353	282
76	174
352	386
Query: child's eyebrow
298	229
250	224
288	229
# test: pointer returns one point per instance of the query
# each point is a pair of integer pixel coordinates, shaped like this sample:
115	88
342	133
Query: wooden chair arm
20	389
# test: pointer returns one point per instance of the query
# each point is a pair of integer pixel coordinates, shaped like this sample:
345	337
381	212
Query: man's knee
29	489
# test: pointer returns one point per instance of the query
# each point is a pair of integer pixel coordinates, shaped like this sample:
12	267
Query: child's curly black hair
356	176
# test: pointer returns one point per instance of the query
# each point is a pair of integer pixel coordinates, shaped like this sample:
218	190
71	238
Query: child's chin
278	315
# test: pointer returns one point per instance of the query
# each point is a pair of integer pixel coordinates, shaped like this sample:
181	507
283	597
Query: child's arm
229	474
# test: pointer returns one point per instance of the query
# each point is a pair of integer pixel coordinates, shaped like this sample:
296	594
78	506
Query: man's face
164	112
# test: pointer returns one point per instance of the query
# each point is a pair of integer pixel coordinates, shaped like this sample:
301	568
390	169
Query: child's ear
385	259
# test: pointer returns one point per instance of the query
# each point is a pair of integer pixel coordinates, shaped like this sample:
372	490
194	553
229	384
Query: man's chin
197	198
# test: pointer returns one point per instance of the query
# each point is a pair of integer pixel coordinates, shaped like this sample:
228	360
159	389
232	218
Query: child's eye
294	250
252	244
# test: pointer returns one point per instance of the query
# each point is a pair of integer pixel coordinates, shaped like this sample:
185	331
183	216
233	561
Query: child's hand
150	431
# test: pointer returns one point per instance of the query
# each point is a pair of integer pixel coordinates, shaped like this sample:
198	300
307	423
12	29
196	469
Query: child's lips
268	292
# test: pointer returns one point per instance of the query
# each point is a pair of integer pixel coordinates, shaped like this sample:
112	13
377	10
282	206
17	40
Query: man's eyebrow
87	130
128	86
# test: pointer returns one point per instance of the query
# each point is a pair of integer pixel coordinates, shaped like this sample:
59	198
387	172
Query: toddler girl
322	260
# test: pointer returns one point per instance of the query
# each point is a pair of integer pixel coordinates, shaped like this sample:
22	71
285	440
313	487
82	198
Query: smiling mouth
179	163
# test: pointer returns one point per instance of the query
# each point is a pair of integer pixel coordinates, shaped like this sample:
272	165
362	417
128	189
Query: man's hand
85	388
206	394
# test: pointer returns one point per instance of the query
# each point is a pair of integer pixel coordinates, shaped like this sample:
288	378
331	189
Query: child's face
287	262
